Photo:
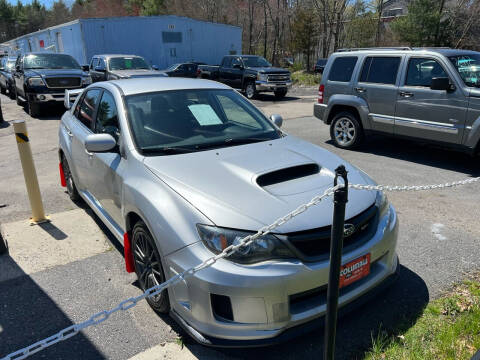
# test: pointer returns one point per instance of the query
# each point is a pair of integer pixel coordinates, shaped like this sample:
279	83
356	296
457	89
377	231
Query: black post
340	199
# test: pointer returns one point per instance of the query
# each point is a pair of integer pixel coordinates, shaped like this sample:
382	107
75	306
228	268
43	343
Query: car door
378	85
100	70
80	128
106	182
236	73
93	73
224	71
424	113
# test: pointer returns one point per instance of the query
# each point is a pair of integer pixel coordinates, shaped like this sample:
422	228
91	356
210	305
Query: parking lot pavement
438	244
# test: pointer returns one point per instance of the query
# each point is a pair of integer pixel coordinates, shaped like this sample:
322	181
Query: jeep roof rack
375	48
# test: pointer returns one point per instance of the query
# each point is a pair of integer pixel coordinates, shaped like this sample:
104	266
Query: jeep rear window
380	70
342	68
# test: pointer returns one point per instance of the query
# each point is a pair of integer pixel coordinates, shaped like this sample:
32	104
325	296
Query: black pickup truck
252	74
42	78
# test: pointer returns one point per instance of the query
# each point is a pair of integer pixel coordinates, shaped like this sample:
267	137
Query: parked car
42	78
188	70
7	67
424	94
112	67
179	169
253	74
320	66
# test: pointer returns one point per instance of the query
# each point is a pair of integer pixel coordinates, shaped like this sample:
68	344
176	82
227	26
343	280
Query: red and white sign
355	270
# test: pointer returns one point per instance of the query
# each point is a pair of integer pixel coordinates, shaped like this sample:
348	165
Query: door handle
360	89
88	153
406	94
69	133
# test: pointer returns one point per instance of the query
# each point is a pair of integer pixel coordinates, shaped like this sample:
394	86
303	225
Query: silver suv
428	94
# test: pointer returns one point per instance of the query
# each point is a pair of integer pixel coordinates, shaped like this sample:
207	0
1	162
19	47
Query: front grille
63	82
314	245
278	78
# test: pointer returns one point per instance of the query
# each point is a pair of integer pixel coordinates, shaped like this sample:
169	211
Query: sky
47	3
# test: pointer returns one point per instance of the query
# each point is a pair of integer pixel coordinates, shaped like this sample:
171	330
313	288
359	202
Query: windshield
50	61
181	121
468	66
10	64
255	61
172	67
128	63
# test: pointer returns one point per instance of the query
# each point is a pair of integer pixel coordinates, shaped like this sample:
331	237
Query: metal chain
229	250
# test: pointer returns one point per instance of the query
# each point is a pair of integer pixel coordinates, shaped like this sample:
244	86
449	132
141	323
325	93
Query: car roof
405	50
154	84
116	55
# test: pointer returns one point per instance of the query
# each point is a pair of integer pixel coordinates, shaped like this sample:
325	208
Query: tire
71	187
33	108
346	131
280	94
19	102
250	90
148	266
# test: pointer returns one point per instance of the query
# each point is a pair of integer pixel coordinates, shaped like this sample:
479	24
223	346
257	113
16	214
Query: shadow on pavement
394	310
49	111
4	124
271	98
28	314
420	153
53	231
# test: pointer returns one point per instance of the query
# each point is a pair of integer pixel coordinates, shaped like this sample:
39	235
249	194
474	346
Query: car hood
270	70
222	184
55	72
137	73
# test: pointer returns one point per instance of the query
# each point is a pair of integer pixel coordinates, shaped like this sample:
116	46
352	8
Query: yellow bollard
20	129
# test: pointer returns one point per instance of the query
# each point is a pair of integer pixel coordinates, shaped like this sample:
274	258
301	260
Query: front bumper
267	299
269	86
319	111
50	97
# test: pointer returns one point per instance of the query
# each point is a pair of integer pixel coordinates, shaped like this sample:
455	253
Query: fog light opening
221	307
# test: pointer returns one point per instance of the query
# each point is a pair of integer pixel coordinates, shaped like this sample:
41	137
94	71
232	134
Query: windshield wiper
231	141
167	150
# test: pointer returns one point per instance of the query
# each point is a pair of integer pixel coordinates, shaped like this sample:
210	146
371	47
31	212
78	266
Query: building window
171	37
173	52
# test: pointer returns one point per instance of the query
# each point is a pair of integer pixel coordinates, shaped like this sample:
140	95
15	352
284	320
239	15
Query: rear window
342	68
380	70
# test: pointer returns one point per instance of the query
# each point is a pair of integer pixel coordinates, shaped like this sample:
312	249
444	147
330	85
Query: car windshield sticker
204	114
128	63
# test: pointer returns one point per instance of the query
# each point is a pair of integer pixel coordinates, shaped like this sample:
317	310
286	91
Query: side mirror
70	96
97	143
100	69
17	67
440	83
85	68
154	67
277	120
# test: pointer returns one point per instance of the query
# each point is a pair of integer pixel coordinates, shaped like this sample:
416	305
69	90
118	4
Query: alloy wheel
344	131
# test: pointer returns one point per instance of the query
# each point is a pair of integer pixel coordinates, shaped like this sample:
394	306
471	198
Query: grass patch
305	78
449	328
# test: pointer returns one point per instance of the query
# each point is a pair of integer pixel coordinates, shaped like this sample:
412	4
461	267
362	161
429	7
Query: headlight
381	202
35	81
264	248
262	77
87	80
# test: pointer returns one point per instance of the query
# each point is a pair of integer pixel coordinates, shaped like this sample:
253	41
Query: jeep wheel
250	90
148	266
33	108
346	131
71	187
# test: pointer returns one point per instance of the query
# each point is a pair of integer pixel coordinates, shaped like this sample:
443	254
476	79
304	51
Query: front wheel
250	90
33	108
346	131
280	94
148	266
71	187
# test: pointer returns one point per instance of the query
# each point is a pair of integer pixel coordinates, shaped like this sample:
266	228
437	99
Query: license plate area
355	270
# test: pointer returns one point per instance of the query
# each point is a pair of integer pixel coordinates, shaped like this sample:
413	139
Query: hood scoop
287	174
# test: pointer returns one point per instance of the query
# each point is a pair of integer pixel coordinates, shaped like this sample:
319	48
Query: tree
419	26
305	33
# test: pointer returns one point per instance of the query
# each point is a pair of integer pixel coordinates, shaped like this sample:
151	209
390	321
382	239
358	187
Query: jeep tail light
321	89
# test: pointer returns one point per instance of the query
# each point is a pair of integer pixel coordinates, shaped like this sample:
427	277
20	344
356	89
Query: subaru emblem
348	230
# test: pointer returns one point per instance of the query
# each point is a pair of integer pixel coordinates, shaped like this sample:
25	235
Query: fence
340	190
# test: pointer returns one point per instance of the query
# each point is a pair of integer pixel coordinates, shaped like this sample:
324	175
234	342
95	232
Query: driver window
101	64
236	62
85	108
107	116
421	71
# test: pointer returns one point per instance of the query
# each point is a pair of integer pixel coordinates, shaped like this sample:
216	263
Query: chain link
229	250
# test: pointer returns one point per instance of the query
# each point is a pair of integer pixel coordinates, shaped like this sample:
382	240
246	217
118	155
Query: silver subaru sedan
179	169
